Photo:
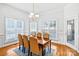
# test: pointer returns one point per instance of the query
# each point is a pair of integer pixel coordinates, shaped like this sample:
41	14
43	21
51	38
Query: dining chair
34	46
33	33
46	36
39	35
20	41
26	43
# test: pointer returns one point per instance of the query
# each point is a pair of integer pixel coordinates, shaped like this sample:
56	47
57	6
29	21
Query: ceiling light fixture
34	15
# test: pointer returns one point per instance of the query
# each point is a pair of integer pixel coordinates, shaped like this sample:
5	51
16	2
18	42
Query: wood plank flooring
59	50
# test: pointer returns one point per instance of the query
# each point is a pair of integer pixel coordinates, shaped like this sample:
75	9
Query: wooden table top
43	41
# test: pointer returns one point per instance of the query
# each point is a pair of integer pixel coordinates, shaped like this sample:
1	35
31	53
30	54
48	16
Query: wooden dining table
42	43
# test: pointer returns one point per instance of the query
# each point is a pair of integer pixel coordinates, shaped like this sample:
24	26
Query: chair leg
19	47
50	46
23	49
28	52
31	53
44	51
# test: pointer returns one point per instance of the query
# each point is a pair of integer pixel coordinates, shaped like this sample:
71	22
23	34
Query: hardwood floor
59	50
63	50
8	50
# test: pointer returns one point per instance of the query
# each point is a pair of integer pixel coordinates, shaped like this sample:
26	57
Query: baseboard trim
5	45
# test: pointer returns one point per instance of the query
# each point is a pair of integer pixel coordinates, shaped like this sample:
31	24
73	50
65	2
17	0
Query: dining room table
42	43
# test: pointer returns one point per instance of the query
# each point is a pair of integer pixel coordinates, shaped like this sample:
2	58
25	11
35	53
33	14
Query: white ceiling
38	7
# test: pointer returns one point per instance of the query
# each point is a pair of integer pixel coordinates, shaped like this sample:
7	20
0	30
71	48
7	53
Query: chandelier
33	15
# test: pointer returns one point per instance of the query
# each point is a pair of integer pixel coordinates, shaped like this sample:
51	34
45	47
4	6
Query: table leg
42	51
29	51
50	46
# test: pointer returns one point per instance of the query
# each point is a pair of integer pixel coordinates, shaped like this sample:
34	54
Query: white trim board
10	44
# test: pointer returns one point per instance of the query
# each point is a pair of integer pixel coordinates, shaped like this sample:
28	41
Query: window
70	31
33	27
52	29
48	26
13	27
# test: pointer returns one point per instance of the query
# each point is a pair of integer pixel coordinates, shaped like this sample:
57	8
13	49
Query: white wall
8	11
71	11
57	15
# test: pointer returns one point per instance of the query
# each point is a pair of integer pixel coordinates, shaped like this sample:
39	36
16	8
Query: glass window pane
13	27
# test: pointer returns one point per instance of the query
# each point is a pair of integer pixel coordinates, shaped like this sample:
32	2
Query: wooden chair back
39	35
20	39
34	45
25	41
46	36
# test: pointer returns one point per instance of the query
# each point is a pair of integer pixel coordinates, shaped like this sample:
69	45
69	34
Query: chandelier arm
33	7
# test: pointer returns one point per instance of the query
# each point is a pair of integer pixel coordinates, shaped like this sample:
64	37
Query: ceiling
38	7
